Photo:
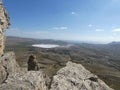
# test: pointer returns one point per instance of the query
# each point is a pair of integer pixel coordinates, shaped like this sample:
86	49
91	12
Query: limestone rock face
8	61
76	77
4	24
32	80
8	65
3	74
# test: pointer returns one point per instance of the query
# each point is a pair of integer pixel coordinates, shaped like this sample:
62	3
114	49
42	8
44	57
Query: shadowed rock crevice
7	74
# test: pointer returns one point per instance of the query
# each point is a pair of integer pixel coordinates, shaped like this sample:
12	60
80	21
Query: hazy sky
83	20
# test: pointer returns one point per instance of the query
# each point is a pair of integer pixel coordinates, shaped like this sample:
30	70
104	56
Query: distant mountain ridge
114	43
16	40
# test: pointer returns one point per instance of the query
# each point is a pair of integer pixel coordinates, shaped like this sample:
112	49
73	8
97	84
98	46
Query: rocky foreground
72	77
12	77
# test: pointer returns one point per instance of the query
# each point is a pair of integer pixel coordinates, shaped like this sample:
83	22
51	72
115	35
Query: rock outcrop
13	78
8	66
4	24
32	63
76	77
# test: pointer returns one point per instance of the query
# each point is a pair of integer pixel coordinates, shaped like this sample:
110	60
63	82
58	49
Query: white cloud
60	28
116	30
74	13
56	28
99	30
90	25
113	27
64	28
114	34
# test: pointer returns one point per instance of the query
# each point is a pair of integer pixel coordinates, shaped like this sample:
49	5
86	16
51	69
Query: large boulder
76	77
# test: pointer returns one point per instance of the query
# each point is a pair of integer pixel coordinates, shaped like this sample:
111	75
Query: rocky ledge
72	77
76	77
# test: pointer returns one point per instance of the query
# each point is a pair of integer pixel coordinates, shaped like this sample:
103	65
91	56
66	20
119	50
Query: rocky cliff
76	77
4	24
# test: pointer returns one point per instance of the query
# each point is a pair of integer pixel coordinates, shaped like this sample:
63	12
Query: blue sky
79	20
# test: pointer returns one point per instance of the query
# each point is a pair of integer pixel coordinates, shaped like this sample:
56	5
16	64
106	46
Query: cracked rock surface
4	24
76	77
